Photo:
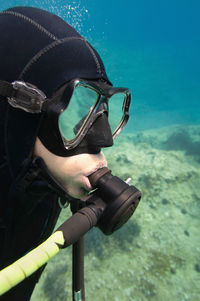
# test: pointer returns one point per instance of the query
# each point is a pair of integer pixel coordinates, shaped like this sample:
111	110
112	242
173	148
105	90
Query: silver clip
77	296
30	100
128	181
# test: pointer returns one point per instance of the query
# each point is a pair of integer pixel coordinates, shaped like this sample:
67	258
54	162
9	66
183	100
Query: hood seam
43	51
95	58
31	21
52	45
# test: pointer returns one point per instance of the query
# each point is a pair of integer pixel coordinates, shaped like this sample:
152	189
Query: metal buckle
63	206
28	97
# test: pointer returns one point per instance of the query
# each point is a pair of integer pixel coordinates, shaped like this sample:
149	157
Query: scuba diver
56	115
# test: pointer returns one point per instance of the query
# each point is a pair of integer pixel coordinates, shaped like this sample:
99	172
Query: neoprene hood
40	48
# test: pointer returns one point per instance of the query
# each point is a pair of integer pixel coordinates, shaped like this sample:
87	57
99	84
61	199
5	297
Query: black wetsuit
28	213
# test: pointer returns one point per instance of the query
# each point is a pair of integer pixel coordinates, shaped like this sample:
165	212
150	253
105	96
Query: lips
86	183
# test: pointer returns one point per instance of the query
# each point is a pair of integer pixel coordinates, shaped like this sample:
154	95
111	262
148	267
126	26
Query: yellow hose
31	262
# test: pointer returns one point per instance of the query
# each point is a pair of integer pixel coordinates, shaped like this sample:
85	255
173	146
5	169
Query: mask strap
6	89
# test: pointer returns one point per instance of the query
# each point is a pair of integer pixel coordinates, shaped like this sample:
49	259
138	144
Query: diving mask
72	110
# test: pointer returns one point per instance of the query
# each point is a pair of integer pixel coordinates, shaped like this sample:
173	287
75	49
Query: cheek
77	165
61	168
67	168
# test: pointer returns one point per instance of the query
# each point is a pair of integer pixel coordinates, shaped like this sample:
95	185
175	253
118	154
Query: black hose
77	225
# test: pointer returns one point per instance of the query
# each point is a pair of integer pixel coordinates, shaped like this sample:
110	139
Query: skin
71	172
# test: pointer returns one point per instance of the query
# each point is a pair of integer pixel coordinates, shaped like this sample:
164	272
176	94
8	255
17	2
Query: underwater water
153	48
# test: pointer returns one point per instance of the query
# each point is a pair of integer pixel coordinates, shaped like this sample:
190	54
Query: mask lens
115	112
73	118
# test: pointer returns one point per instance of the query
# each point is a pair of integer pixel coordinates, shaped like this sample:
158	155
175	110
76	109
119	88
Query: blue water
152	47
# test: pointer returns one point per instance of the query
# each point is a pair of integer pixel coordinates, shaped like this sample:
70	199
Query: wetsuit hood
40	48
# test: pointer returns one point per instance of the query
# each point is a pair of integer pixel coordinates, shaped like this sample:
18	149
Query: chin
78	193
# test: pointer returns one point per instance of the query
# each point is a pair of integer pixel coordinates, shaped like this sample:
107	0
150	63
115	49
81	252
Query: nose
99	134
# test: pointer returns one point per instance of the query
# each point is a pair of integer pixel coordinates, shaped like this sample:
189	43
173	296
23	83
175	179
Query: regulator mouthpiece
114	200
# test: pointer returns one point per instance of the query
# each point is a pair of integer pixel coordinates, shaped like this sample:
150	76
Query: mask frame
101	106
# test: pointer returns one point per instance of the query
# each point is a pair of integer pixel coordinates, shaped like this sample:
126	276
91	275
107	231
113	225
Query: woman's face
71	172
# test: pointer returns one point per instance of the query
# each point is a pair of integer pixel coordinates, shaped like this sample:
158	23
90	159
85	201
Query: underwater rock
165	201
183	211
197	267
122	159
181	140
179	137
186	233
173	271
